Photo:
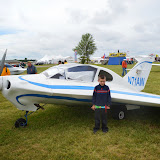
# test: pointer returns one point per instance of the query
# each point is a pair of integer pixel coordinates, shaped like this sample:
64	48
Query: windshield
55	72
81	73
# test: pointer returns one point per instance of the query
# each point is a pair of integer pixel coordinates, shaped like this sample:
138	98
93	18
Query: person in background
65	62
31	69
59	62
124	67
6	71
131	60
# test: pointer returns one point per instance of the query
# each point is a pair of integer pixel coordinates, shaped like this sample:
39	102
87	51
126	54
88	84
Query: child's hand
108	107
93	107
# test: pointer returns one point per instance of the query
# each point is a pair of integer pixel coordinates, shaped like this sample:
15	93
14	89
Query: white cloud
34	28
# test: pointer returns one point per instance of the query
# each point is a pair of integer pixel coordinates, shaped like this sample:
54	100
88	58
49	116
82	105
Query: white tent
45	59
54	59
69	59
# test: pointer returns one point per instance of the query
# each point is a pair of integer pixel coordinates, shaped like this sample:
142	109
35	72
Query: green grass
65	132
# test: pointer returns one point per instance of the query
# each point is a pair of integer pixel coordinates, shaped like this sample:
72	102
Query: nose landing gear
21	122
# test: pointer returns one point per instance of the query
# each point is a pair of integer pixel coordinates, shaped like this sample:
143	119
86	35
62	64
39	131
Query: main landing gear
21	122
118	112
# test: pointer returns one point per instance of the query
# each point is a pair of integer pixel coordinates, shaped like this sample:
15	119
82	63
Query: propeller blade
3	61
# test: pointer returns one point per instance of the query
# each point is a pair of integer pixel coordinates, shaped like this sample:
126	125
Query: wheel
119	112
20	123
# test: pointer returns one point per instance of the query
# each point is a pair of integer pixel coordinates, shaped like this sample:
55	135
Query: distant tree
86	47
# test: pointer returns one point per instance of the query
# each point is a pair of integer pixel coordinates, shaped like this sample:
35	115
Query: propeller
3	61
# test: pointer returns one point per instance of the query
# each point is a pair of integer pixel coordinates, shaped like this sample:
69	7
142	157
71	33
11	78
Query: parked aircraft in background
15	70
139	58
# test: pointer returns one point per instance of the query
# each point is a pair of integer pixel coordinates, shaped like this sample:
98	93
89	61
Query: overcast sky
34	28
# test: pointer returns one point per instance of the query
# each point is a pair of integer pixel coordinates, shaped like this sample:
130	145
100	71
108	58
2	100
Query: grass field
65	132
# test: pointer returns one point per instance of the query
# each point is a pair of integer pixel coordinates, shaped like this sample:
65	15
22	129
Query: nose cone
1	80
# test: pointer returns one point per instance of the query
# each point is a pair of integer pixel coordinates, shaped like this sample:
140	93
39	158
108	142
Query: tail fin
138	75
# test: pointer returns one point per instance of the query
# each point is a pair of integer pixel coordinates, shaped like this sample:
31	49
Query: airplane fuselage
25	91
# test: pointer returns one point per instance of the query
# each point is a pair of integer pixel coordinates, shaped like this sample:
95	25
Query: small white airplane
74	84
15	70
144	56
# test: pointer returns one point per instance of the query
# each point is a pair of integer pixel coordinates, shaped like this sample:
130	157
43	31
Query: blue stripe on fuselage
86	88
54	97
58	86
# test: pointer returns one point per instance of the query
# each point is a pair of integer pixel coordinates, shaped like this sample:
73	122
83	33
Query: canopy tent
54	59
45	59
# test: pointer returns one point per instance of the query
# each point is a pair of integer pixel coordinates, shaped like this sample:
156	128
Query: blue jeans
124	70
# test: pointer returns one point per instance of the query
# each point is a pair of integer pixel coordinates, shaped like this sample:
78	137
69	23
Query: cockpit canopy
84	73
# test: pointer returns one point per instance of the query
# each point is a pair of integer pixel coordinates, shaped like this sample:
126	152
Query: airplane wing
17	70
155	64
135	98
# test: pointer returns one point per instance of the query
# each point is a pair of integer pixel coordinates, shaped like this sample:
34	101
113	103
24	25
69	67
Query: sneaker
105	130
95	130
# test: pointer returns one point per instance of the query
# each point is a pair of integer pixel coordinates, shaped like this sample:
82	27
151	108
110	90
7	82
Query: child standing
101	101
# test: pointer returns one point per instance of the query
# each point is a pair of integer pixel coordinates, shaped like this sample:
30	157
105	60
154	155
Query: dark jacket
101	96
31	70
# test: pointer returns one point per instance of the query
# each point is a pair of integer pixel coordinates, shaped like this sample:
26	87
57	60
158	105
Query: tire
20	123
119	112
